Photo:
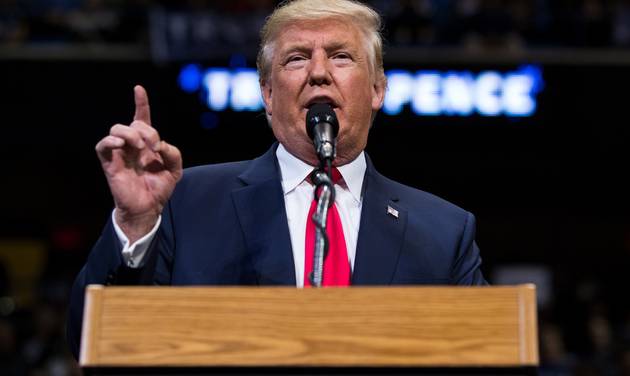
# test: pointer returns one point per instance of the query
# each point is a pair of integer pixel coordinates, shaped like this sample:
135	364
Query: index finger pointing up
143	112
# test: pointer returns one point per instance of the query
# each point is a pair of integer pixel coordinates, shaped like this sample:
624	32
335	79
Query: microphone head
321	113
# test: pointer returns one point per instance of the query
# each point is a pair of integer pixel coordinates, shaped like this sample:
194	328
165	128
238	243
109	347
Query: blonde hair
289	11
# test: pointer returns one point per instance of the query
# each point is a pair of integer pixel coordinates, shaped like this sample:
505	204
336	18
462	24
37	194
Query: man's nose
320	70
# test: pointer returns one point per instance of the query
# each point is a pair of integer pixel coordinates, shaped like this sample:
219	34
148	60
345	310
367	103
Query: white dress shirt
298	194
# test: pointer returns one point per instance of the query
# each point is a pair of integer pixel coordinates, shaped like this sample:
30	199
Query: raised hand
141	170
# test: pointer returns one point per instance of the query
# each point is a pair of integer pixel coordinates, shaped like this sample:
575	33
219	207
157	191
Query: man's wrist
135	226
134	253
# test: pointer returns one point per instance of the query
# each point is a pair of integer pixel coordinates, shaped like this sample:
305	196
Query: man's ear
378	92
265	89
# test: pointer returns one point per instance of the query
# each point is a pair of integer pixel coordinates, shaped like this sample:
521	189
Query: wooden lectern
279	330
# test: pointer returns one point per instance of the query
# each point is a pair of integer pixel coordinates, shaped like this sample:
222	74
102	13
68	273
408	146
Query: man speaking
250	222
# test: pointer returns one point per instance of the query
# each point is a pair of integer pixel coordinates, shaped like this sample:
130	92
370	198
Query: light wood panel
358	326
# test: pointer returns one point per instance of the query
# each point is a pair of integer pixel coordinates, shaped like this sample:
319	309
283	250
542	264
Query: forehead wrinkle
305	44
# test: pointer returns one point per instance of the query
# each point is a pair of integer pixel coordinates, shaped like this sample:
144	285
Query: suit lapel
381	233
261	212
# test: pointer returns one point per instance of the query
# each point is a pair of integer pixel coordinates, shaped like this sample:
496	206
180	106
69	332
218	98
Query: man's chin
305	151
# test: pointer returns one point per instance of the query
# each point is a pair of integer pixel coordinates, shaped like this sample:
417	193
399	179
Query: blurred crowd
470	23
36	273
583	333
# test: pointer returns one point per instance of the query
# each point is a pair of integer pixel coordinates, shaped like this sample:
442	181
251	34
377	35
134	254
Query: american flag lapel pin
391	211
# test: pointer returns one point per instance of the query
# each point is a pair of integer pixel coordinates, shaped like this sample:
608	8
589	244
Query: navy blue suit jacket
226	224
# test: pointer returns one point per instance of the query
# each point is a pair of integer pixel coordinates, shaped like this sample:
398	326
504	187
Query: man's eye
295	58
342	55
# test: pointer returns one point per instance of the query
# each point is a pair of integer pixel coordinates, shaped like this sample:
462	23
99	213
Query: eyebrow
306	47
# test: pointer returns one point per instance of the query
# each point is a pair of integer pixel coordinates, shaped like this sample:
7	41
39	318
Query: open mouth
322	99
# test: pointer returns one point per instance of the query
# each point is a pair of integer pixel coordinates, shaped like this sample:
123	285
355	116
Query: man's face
324	61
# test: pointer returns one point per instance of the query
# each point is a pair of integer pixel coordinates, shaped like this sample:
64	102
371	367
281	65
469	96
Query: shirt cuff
133	254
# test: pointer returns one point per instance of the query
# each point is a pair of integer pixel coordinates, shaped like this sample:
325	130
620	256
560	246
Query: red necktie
336	264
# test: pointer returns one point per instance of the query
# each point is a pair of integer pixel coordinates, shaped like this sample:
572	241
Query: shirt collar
293	171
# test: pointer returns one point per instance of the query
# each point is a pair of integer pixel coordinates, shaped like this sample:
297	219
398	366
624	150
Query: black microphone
322	127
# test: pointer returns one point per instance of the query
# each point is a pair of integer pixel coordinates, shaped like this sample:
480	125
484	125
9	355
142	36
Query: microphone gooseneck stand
325	195
322	127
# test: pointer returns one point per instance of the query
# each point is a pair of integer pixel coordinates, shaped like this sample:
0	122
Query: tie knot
335	175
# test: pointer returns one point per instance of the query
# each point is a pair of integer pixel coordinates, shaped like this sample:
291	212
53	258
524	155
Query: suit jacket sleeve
467	263
105	266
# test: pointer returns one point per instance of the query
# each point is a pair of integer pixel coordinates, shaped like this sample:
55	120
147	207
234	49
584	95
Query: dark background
549	192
